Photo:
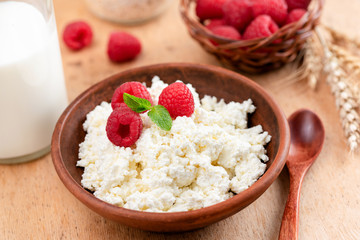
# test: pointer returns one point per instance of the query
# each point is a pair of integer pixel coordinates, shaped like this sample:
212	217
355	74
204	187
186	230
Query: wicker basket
244	55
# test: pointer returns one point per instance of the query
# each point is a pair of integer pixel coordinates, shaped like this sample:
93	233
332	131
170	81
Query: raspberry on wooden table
133	88
295	15
238	13
77	35
178	100
261	26
123	127
292	4
123	46
276	9
206	9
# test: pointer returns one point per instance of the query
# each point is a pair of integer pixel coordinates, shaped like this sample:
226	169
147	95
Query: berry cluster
124	124
249	19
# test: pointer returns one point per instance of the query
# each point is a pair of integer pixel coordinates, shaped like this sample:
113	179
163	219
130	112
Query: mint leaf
161	117
158	114
136	104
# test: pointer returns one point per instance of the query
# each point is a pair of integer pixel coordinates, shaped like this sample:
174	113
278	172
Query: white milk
32	90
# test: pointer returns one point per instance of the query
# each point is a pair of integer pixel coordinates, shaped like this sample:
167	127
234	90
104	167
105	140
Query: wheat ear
346	102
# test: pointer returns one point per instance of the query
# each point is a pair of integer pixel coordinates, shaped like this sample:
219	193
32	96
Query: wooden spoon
307	138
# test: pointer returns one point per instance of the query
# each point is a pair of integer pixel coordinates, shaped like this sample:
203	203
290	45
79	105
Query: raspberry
238	13
177	99
123	127
123	46
292	4
77	35
206	9
261	26
215	23
133	88
226	32
295	15
276	9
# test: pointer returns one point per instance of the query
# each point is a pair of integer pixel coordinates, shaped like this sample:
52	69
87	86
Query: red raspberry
261	26
77	35
177	99
292	4
215	23
226	32
123	127
238	13
133	88
123	46
295	15
206	9
276	9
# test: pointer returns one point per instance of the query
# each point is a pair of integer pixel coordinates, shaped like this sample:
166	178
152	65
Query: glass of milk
32	89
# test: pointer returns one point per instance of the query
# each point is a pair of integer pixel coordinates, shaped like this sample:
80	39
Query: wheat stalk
343	40
313	63
346	101
352	65
342	69
346	59
308	65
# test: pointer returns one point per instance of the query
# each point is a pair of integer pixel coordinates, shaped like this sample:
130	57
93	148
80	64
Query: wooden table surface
34	204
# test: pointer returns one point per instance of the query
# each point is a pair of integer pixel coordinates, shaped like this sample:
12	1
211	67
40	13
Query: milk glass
32	89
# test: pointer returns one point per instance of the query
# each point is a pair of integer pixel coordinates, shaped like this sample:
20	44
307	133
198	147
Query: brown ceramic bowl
207	80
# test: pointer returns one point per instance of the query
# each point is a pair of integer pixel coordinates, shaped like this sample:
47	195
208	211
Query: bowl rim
260	186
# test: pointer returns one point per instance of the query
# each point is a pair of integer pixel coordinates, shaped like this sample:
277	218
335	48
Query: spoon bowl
307	138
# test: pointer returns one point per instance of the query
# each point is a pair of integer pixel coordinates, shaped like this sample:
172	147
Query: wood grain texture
289	229
34	204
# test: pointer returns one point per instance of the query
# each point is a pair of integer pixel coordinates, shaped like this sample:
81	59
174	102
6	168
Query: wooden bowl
209	80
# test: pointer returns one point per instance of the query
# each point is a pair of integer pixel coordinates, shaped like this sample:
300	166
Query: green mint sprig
158	114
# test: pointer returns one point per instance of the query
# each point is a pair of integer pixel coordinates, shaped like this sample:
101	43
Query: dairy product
32	91
127	11
204	159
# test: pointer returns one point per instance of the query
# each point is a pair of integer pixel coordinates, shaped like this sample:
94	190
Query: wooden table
34	204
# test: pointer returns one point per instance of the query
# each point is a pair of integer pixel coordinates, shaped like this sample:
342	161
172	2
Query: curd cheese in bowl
204	159
172	185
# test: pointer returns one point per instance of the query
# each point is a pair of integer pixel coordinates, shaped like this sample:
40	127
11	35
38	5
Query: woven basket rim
254	55
313	14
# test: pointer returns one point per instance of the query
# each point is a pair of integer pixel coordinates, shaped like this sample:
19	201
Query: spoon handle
290	222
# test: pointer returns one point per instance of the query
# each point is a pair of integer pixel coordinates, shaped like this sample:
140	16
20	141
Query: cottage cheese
204	159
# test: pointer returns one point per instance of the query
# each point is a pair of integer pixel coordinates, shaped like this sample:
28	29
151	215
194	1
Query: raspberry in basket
123	127
177	99
228	32
295	15
276	9
77	35
238	13
215	23
123	46
261	26
292	4
206	9
133	88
